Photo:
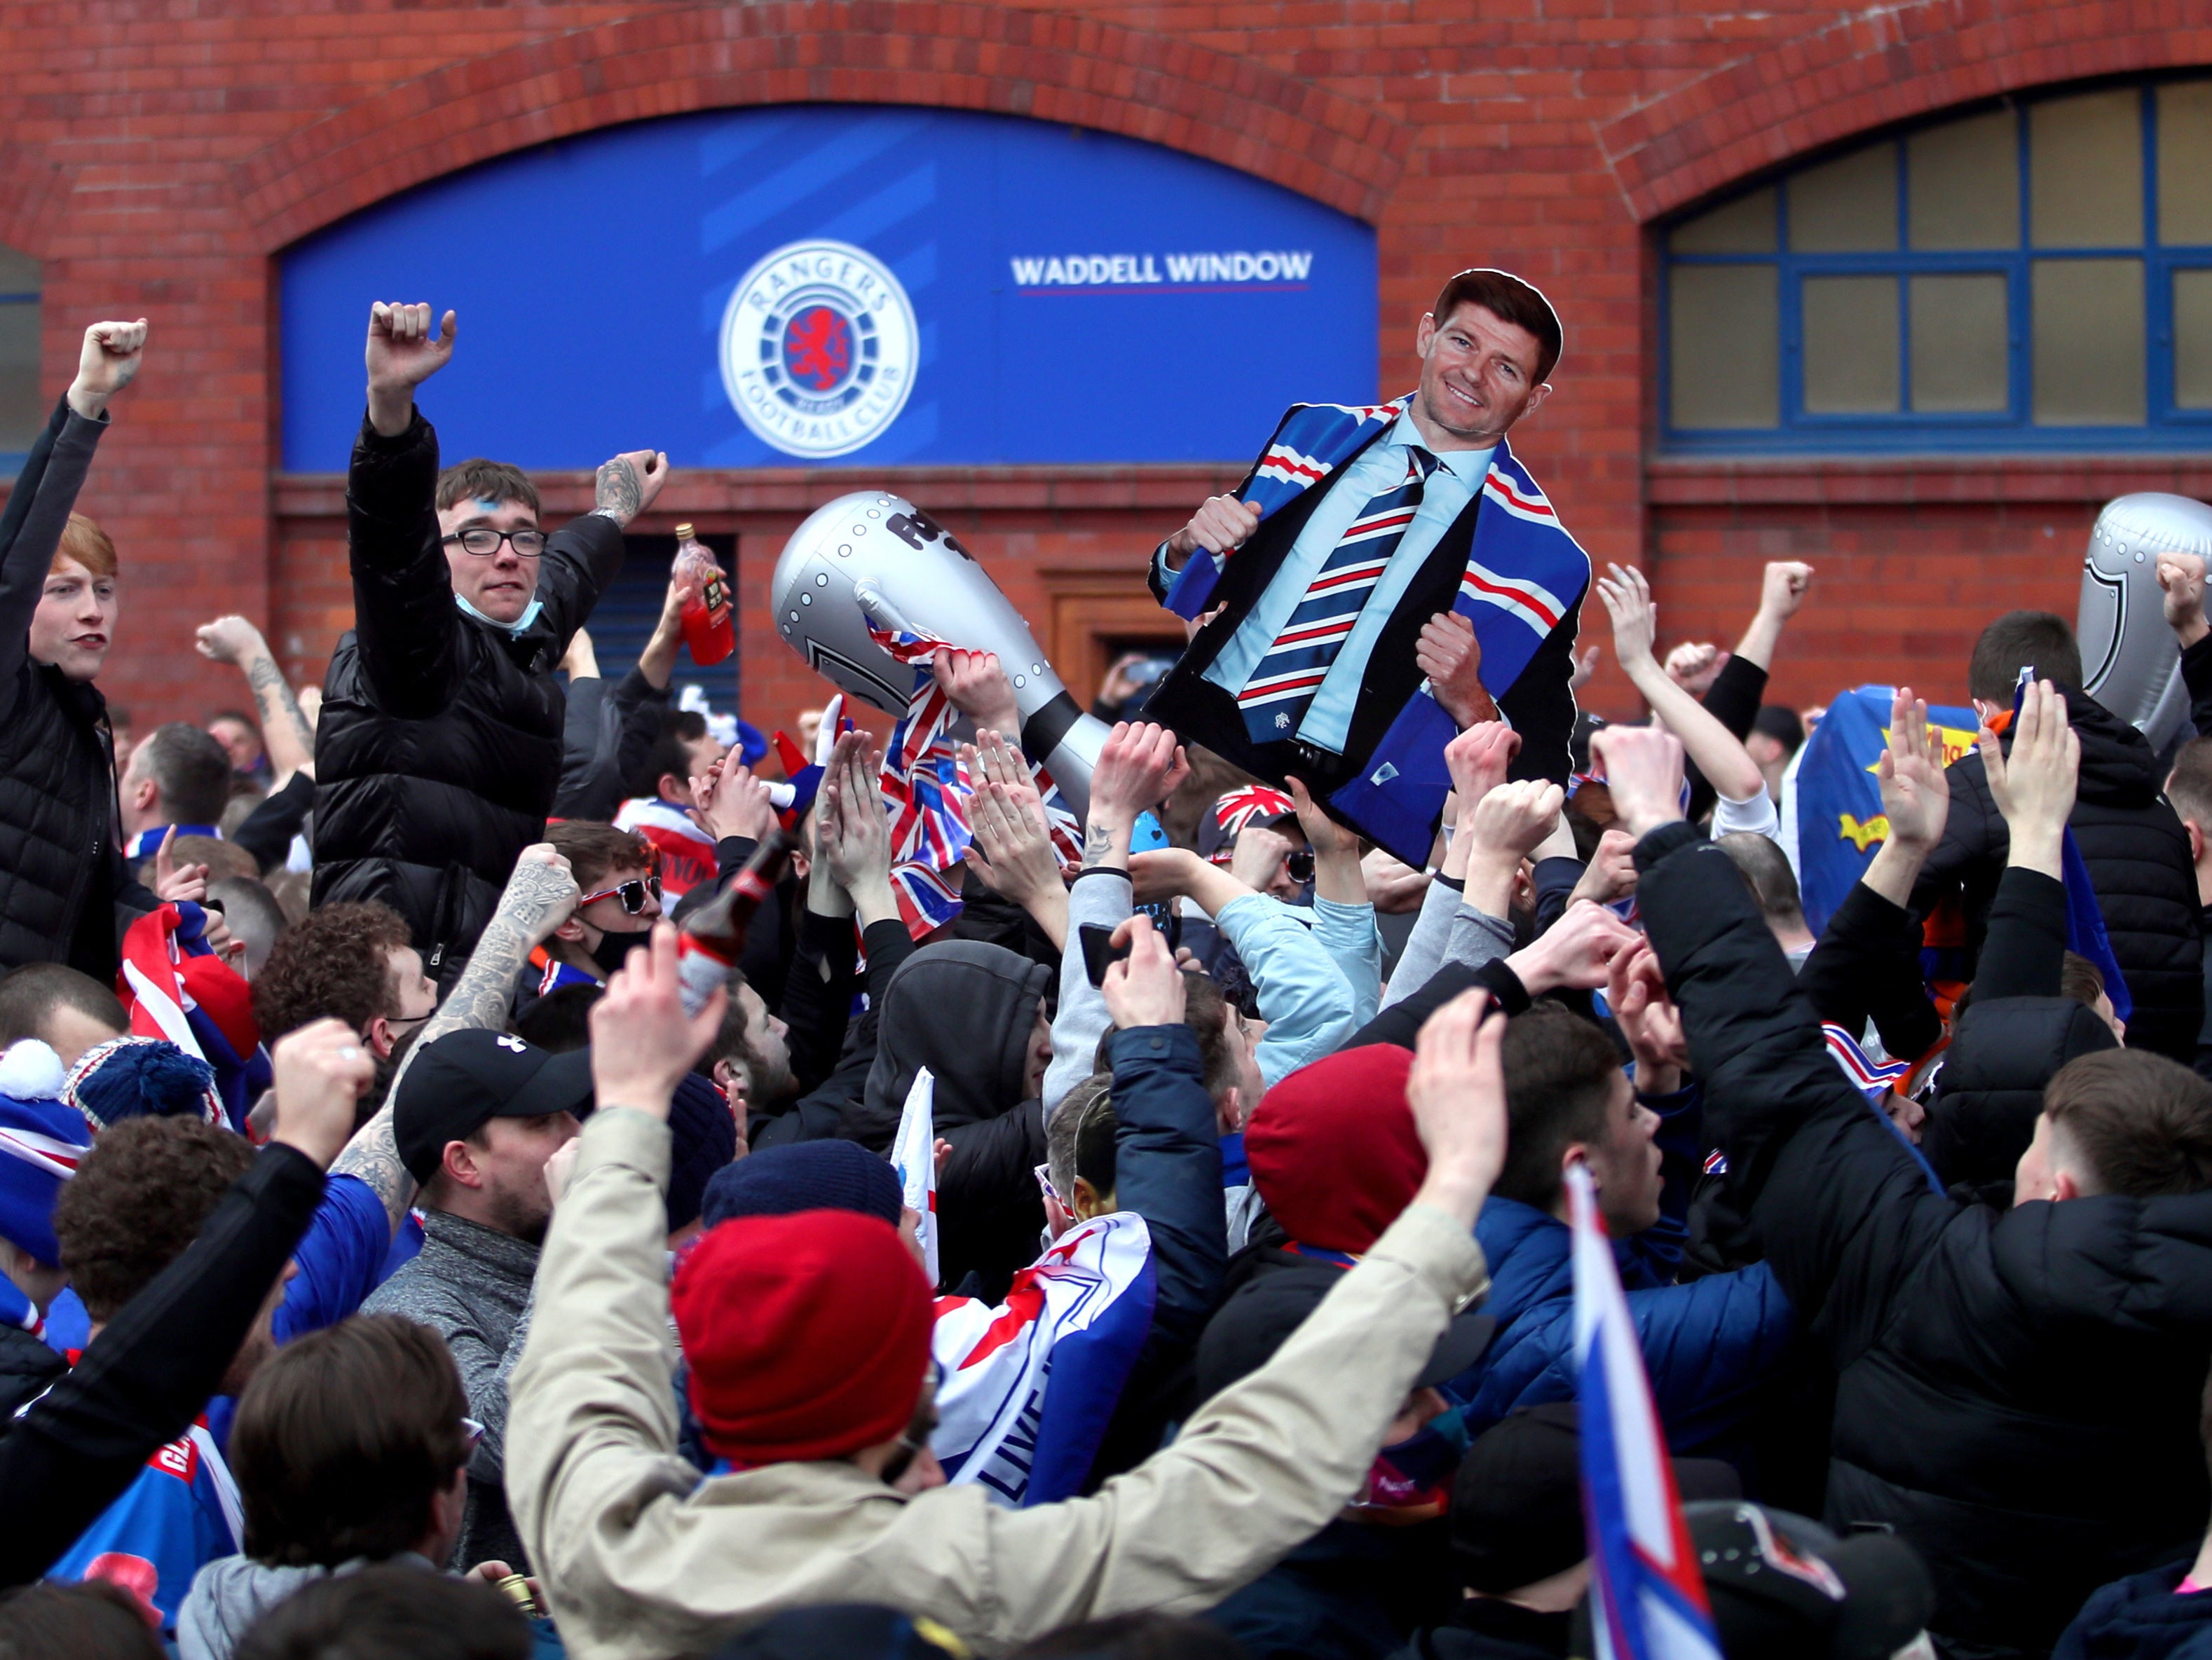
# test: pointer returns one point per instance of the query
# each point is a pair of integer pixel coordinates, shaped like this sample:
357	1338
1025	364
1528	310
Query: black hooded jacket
65	892
2017	1393
968	1011
1990	1091
439	750
2139	863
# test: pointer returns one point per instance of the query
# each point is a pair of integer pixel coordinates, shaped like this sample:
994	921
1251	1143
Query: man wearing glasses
439	748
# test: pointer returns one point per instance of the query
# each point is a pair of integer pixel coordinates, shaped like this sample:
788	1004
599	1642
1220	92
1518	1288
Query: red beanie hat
808	1335
1332	1148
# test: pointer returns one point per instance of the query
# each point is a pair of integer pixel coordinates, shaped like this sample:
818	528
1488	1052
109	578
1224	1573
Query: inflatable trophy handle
2130	662
875	554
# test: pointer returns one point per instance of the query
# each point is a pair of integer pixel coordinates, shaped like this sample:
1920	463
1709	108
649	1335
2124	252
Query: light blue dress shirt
1379	467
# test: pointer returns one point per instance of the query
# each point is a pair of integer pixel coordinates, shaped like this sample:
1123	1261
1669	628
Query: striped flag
1647	1598
914	1155
177	988
927	789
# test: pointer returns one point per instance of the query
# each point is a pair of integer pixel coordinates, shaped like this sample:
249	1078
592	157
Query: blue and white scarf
1524	573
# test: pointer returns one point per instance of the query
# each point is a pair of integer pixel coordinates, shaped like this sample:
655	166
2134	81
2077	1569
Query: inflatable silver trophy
2129	662
875	556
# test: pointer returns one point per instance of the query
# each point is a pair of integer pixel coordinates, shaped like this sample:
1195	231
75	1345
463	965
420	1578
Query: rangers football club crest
819	349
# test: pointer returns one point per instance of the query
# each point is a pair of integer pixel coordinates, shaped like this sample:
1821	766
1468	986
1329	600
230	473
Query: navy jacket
2140	1618
1707	1344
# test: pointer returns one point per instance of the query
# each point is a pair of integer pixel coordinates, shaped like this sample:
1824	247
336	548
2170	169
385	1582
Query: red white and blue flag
1647	1598
927	789
686	851
177	988
1027	1388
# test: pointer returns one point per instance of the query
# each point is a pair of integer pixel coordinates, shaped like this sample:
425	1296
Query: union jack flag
927	789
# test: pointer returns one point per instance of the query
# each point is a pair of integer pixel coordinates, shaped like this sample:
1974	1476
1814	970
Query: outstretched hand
1643	774
402	352
2181	593
627	485
2033	786
1916	798
642	1043
172	881
1456	1089
975	685
108	361
1449	654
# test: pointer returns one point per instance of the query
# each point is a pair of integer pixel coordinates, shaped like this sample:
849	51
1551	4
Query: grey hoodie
232	1592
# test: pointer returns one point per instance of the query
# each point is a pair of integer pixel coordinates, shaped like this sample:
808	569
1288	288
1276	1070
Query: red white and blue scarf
1524	574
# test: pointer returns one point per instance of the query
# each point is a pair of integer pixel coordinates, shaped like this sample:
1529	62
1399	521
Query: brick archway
1869	69
1050	67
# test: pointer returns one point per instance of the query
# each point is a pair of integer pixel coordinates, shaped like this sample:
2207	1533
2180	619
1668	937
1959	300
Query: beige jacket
640	1557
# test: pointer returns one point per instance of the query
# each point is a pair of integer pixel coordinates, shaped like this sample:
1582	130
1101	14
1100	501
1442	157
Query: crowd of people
397	1263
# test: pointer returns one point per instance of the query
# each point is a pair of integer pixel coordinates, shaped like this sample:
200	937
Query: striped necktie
1283	682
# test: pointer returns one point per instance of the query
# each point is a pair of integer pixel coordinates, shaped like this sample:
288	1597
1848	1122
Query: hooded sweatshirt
968	1012
231	1593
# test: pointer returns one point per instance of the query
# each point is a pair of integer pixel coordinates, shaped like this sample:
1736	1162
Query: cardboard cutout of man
1385	577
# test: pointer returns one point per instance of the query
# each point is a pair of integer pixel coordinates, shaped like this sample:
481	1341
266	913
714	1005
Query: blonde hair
84	542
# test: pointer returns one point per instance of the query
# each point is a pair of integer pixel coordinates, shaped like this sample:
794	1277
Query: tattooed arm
539	896
627	484
1138	767
284	729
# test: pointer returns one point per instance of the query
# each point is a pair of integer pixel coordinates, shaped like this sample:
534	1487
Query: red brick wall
158	157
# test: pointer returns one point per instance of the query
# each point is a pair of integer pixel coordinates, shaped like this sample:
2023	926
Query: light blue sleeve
1304	997
1423	953
1348	934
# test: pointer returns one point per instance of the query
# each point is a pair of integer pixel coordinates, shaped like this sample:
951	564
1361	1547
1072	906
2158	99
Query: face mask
614	949
514	627
1413	1480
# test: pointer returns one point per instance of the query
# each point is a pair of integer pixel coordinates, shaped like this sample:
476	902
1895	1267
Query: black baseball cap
464	1079
1516	1508
1260	1315
1783	1587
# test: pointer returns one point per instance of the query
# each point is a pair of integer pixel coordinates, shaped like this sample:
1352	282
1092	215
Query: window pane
1851	345
2085	170
1963	184
1744	226
1959	338
22	411
2088	342
1846	206
19	272
1724	352
2192	340
2185	162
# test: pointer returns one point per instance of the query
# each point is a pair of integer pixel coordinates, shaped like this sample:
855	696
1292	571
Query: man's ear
571	928
1229	1115
1084	1202
671	788
2196	841
145	794
1424	333
459	1164
378	1037
1536	399
2064	1185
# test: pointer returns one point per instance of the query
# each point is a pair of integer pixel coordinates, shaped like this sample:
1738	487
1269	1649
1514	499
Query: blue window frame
22	411
2036	275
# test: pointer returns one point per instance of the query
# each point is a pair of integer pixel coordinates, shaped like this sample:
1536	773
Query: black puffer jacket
2017	1393
440	746
2138	858
967	1011
65	894
1990	1091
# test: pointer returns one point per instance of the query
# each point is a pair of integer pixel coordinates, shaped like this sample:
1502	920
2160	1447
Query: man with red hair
809	1342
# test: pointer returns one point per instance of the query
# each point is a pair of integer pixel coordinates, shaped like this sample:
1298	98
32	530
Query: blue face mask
514	627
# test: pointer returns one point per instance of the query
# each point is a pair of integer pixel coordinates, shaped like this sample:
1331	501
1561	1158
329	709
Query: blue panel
1068	296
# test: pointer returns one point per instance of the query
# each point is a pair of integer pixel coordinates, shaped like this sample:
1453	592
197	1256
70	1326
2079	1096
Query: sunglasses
632	893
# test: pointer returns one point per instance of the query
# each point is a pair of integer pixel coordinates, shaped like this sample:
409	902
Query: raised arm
45	491
2181	585
284	730
2023	952
1717	752
538	898
156	1364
